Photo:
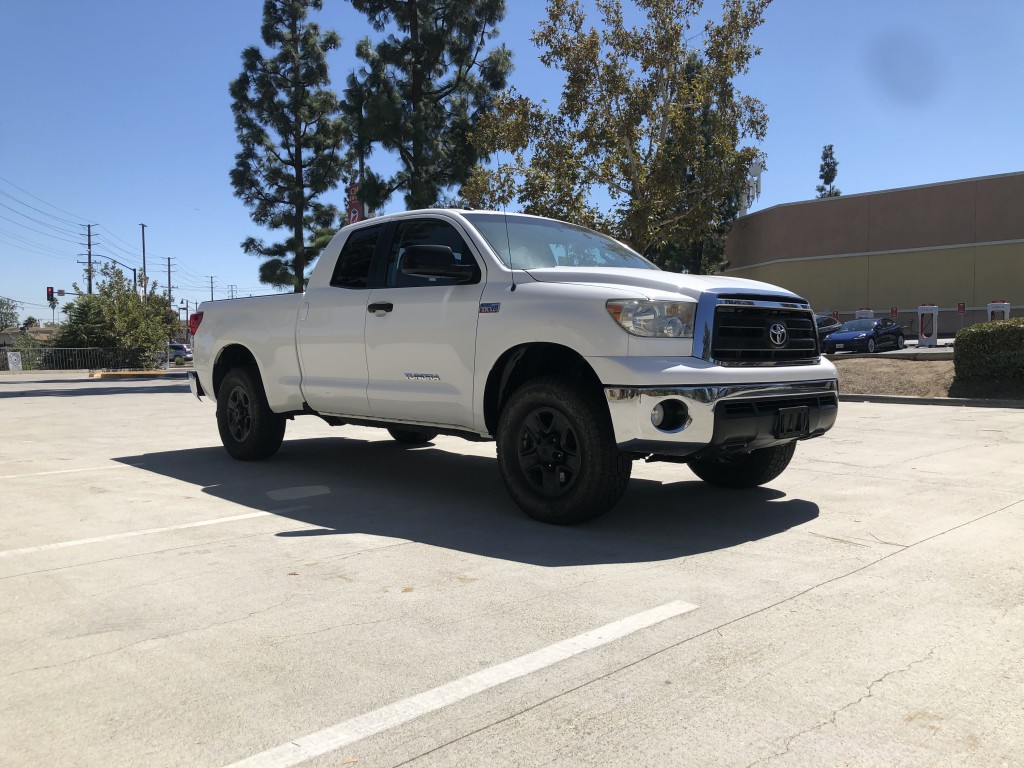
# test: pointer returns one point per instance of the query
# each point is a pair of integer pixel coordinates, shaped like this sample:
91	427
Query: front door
421	333
330	331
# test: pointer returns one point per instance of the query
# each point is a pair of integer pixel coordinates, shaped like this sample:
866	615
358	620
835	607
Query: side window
424	232
353	267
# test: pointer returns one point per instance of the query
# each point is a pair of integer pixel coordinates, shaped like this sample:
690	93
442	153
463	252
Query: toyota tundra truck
571	351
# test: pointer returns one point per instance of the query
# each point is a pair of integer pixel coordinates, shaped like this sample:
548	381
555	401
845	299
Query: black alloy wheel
239	411
549	452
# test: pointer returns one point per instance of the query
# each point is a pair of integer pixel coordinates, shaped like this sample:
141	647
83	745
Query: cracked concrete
865	609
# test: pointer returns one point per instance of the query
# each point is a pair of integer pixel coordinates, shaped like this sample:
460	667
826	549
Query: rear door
421	332
330	330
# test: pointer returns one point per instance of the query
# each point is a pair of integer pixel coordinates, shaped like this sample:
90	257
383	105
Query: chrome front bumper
630	409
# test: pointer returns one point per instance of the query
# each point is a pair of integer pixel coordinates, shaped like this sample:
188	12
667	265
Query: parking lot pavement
357	602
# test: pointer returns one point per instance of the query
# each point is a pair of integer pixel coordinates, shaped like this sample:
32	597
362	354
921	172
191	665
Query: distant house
41	334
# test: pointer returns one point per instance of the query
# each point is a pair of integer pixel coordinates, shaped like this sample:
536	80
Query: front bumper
721	419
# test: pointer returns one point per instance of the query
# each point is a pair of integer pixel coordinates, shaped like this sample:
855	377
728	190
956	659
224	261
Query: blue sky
116	113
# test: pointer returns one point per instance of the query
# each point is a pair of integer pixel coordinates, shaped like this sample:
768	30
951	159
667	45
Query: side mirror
436	261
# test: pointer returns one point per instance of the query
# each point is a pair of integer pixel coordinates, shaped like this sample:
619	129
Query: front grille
743	335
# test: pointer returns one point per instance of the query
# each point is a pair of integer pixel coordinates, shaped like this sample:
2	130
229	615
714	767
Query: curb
136	374
962	402
903	354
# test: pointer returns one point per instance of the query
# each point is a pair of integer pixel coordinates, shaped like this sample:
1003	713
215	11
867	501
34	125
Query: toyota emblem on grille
778	334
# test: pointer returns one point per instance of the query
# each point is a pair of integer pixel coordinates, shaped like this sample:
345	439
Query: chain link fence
67	359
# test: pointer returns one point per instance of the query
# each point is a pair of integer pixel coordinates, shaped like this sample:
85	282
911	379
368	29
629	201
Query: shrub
179	360
990	351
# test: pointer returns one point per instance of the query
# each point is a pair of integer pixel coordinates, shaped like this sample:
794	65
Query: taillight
193	322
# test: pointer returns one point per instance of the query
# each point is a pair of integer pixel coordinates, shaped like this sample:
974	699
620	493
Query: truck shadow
458	502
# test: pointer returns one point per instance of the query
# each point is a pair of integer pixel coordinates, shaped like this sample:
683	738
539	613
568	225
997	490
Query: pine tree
290	130
421	90
827	173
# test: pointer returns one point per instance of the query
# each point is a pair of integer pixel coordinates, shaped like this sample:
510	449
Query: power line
38	232
26	249
38	210
8	181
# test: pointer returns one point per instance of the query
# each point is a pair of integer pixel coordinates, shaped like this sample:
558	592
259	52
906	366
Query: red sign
835	315
961	307
894	312
356	210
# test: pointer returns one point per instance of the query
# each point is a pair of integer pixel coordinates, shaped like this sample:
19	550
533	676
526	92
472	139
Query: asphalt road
353	602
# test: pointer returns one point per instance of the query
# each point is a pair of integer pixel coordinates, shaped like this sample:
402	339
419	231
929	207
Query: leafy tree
421	91
10	310
827	173
115	317
289	127
646	119
31	322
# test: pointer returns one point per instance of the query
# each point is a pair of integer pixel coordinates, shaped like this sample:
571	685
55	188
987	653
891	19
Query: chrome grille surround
754	328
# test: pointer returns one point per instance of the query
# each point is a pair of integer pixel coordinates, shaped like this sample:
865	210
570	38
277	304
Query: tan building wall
961	241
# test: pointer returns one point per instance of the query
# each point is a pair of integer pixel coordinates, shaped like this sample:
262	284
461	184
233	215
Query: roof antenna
508	239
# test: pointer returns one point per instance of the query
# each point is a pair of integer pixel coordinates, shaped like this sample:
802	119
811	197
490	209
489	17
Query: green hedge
990	351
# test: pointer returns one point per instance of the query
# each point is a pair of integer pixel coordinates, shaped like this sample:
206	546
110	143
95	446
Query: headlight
666	319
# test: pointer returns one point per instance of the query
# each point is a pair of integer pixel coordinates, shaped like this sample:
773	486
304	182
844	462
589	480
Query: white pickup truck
571	351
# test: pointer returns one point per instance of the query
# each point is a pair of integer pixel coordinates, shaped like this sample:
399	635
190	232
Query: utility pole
88	250
211	286
232	289
145	286
169	299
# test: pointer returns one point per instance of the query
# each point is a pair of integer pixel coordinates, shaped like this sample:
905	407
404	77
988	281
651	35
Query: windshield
858	325
537	243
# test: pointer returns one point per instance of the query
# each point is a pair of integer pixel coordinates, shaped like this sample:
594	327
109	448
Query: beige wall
941	244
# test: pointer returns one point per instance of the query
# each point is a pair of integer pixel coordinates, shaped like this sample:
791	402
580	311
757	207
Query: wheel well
232	356
529	361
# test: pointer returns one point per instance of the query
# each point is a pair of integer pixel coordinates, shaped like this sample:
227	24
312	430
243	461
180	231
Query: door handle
380	306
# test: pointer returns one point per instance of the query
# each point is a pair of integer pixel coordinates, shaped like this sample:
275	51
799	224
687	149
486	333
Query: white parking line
362	726
69	471
148	531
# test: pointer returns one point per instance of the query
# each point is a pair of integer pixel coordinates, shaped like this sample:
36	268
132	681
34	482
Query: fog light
670	416
657	415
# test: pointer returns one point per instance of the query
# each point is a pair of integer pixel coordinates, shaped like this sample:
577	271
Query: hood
654	281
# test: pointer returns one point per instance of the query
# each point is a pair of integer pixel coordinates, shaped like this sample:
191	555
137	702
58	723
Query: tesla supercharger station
927	325
860	314
999	310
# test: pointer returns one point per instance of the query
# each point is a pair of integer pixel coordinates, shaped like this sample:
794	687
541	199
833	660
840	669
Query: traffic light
49	293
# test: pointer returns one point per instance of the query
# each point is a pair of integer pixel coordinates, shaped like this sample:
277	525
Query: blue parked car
865	335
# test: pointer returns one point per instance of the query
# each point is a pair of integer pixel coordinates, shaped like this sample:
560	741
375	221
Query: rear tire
900	342
411	436
745	470
557	453
249	430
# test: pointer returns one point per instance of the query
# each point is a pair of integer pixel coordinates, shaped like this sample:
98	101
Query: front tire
745	470
871	346
249	430
557	453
